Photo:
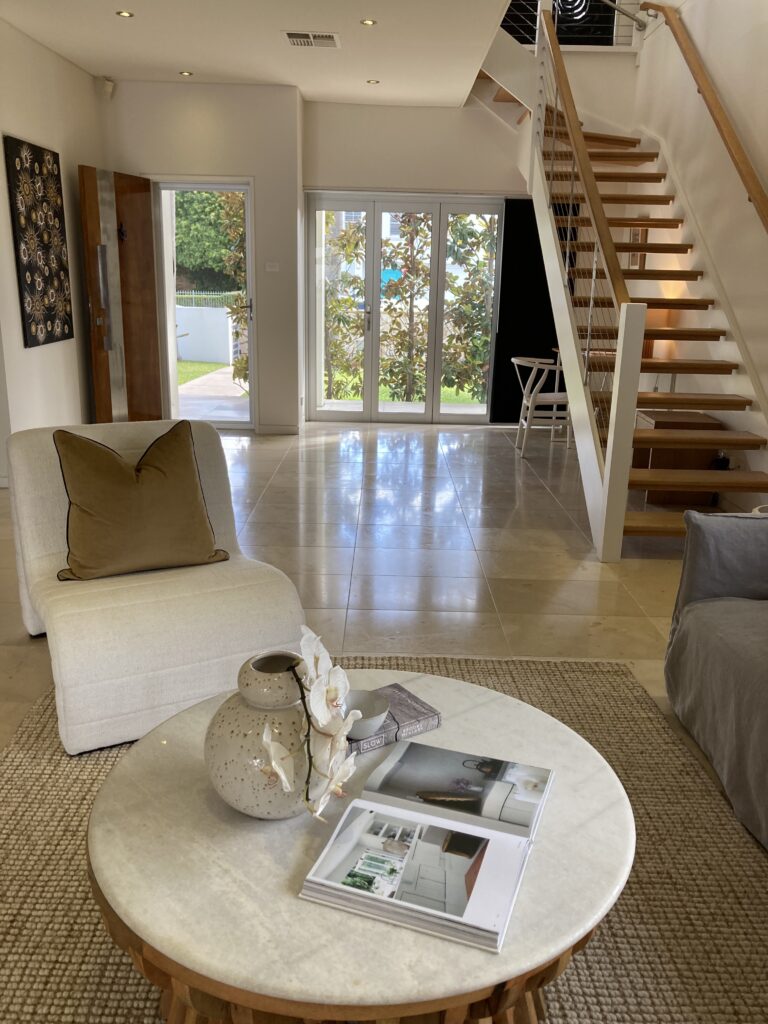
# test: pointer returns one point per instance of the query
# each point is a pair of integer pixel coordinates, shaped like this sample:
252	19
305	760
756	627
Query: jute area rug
686	943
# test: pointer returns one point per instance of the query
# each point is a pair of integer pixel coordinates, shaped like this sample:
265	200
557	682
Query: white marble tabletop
217	891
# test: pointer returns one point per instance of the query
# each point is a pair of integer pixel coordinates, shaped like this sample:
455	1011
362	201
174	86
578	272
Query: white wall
409	149
204	334
48	101
733	42
604	86
223	132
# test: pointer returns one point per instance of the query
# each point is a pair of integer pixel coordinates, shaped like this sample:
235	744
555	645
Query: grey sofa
717	660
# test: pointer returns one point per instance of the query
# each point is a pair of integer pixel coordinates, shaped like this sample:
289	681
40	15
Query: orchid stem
307	743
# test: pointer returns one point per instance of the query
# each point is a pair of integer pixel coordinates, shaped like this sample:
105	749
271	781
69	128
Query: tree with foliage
404	312
200	256
232	212
404	317
468	309
210	254
343	337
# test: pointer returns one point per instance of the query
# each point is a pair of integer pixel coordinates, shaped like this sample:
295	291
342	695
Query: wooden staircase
660	454
634	188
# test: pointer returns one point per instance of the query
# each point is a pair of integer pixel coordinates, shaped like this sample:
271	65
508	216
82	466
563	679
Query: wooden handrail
744	166
613	269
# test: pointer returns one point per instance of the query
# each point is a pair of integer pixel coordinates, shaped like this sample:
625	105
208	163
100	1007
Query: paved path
214	396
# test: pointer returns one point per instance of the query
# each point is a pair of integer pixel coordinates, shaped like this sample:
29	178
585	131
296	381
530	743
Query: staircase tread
652	177
685	333
652	274
648	247
562	220
680	400
698	479
651	301
601	137
503	95
618	198
673	438
608	155
654	364
656	523
660	333
633	154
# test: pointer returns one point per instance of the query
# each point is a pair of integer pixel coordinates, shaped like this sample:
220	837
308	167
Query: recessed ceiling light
186	74
373	81
124	14
368	22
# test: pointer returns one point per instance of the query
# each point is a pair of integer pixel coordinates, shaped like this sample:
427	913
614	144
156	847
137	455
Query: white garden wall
203	334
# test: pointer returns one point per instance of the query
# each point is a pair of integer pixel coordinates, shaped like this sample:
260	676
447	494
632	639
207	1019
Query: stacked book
437	842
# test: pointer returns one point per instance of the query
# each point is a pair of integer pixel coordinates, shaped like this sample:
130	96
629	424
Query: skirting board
275	428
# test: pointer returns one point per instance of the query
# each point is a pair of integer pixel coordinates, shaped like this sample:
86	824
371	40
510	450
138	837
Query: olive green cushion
125	518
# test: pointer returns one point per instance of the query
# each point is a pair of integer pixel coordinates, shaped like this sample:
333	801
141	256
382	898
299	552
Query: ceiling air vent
320	40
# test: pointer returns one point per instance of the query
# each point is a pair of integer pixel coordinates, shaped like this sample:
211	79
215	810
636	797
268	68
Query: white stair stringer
585	433
605	479
508	114
484	91
513	67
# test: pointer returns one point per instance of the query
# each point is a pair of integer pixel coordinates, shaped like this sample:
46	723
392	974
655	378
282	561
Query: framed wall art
40	241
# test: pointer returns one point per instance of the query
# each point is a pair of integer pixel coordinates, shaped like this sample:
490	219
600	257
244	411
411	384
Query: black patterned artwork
40	241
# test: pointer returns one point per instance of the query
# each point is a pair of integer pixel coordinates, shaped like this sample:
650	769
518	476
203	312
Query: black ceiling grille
579	22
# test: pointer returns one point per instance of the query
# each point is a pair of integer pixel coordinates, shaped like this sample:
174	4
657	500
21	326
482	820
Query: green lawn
189	370
447	396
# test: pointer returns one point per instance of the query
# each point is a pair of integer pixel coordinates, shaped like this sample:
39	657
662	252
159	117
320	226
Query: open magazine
437	842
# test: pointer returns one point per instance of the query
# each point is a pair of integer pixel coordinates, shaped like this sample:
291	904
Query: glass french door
403	297
209	302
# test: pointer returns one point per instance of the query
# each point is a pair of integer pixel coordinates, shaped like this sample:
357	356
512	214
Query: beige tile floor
419	540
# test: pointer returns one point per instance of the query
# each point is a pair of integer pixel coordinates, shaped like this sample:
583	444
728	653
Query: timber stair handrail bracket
756	191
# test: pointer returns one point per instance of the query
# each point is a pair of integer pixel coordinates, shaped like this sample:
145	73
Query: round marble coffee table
205	898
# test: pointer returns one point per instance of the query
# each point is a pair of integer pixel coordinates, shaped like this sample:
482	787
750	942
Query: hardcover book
437	842
408	716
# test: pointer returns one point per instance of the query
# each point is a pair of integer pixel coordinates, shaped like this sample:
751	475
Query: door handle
367	318
101	264
103	321
246	305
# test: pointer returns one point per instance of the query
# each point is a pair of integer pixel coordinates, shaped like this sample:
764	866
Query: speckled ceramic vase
237	761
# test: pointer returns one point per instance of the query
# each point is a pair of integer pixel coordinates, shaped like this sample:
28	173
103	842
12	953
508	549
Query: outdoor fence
208	300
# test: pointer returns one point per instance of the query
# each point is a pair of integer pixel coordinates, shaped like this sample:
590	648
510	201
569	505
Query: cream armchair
130	651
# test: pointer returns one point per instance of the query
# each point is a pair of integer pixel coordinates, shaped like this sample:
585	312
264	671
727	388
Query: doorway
209	304
403	307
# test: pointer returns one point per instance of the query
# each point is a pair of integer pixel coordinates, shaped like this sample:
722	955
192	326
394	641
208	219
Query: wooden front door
119	255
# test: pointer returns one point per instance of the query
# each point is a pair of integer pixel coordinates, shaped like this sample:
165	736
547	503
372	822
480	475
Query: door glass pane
406	260
470	275
340	312
212	309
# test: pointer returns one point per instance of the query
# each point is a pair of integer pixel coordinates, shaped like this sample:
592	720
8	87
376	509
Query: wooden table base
190	998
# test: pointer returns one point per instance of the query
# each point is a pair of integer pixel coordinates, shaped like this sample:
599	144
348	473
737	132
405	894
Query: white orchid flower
315	656
281	760
327	745
317	806
342	768
326	697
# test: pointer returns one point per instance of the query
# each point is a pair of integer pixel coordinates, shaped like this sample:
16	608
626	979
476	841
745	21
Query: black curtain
526	325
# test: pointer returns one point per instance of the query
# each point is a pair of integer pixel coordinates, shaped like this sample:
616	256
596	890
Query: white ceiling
425	52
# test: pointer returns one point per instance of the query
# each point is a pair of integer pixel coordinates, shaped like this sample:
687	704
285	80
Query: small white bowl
374	710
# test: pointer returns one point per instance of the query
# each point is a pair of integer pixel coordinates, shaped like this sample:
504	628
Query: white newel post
537	118
618	455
